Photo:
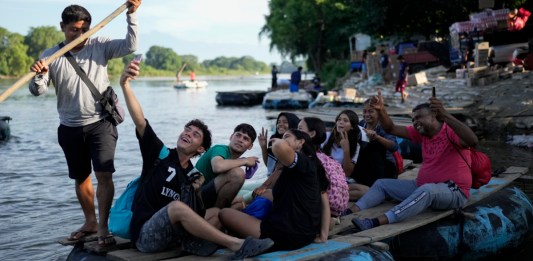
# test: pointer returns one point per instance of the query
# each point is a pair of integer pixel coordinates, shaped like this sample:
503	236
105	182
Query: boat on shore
240	98
286	100
190	84
5	130
495	219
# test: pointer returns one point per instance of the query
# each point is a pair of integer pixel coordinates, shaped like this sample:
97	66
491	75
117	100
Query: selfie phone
138	58
433	92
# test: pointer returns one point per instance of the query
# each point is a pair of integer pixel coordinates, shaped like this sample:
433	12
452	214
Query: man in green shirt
221	166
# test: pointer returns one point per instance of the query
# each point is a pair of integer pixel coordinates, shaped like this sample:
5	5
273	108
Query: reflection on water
37	200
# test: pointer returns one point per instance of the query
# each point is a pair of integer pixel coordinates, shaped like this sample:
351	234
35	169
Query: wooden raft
340	243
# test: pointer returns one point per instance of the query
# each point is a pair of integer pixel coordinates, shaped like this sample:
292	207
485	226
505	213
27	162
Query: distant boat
284	99
240	98
190	84
5	131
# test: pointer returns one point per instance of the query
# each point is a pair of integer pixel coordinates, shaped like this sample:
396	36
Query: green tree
162	58
41	38
192	62
13	58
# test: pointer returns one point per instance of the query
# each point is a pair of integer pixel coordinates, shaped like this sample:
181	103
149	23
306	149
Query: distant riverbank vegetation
19	52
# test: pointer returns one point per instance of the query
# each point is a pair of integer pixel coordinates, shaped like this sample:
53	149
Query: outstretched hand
437	107
130	72
134	4
263	138
376	102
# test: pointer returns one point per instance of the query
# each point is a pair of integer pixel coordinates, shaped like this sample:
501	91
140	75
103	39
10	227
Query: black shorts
284	240
209	194
95	142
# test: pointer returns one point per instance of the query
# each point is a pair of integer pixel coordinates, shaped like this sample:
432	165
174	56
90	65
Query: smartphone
433	92
138	58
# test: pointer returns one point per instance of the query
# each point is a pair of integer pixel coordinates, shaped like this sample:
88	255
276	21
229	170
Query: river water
37	199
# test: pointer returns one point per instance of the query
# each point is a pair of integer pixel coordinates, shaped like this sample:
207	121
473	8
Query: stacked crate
482	54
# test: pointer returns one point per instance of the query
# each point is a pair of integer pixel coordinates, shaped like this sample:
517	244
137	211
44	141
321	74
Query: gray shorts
158	233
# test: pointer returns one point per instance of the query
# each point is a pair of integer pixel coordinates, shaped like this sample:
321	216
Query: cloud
229	21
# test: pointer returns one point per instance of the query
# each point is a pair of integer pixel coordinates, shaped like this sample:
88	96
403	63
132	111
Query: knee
177	210
104	178
223	214
236	176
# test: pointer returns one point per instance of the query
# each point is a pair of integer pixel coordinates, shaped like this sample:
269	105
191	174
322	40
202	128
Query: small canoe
240	98
190	84
5	131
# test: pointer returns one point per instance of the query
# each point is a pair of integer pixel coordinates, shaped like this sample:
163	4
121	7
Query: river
37	199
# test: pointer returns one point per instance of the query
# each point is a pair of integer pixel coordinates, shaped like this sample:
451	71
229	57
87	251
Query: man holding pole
84	133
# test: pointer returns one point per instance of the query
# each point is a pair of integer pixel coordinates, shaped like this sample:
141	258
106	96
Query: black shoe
252	247
198	246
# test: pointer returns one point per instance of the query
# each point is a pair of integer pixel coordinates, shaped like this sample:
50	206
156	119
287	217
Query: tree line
19	52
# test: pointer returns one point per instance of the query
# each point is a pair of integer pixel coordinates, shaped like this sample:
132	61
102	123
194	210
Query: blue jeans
414	200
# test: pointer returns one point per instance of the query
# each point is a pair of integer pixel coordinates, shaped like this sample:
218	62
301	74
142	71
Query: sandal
252	247
106	241
79	235
198	246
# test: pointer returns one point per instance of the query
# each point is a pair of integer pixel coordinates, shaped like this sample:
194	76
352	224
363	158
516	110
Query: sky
204	28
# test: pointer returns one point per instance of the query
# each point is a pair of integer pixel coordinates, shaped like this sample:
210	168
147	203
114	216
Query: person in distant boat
295	217
221	166
178	74
192	76
296	78
84	134
274	77
444	179
160	219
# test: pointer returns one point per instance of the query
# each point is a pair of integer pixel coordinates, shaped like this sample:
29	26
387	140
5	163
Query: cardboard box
416	79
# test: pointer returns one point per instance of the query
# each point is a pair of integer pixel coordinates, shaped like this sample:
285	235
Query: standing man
221	166
401	83
192	76
84	133
274	77
384	62
160	218
444	179
296	78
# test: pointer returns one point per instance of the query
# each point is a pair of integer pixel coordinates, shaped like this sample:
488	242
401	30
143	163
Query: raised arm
385	120
134	108
467	137
263	144
221	165
283	152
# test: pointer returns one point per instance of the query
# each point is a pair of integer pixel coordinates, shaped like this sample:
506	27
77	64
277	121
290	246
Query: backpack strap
82	74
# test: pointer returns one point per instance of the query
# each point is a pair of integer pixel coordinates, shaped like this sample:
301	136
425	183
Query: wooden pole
63	50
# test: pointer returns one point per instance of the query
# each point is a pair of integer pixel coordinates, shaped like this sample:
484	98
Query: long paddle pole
63	50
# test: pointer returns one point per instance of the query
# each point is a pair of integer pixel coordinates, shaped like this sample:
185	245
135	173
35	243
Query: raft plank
430	215
475	196
346	221
135	255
